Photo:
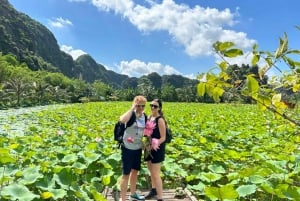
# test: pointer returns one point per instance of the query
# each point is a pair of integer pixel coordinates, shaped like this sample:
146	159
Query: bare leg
149	165
133	180
123	186
155	176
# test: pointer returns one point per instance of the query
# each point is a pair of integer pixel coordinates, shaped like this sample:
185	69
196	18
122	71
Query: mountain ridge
33	43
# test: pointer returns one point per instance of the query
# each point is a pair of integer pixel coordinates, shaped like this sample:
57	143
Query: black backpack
121	127
169	135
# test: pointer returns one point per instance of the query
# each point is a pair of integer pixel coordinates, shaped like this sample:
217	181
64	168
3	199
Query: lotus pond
219	152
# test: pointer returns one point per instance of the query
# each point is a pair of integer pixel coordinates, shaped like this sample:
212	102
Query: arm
162	130
126	116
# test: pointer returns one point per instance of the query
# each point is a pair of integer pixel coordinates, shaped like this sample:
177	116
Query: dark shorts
157	156
131	159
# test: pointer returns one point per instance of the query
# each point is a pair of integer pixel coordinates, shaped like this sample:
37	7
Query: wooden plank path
168	195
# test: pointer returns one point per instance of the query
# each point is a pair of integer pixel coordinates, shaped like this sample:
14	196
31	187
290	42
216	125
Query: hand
134	105
154	144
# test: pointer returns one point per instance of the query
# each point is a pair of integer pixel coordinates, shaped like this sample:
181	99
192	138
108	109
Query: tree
146	88
168	93
16	88
101	90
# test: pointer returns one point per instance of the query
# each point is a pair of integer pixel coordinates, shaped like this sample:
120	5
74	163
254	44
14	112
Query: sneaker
152	193
136	196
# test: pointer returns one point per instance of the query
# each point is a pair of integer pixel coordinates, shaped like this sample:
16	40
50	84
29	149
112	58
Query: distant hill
32	43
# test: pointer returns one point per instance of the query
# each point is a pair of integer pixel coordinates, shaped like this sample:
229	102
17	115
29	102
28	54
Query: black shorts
157	156
131	159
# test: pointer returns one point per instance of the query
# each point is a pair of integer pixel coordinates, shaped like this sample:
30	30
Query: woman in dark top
157	155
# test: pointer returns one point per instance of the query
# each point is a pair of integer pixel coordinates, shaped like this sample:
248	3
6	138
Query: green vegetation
218	153
278	95
22	87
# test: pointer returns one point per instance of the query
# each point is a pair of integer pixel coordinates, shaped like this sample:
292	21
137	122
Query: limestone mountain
88	69
33	43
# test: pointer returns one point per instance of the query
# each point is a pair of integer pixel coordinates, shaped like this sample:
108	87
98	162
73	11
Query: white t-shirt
133	135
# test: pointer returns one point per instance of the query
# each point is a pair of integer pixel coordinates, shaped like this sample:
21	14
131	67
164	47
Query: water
15	122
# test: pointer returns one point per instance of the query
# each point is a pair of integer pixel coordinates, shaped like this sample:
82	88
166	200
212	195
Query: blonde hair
139	99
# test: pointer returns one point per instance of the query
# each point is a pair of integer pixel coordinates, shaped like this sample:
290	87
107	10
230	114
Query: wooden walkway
168	195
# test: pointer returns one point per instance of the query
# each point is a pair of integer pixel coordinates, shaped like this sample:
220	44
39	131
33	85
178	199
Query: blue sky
137	37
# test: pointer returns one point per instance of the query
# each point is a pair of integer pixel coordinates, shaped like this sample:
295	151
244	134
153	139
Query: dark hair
159	102
160	109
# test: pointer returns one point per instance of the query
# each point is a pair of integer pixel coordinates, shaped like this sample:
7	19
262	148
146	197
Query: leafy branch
278	95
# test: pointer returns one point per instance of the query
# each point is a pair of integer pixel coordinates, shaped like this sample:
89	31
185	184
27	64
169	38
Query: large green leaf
18	192
210	176
246	190
216	168
5	156
222	193
31	175
70	158
64	178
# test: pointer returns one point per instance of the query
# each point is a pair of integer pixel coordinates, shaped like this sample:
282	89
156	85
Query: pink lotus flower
148	130
130	139
155	144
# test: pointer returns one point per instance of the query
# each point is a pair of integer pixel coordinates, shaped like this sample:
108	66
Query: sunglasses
154	106
140	105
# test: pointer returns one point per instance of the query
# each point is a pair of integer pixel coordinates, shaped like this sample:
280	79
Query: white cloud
60	23
73	52
196	29
137	68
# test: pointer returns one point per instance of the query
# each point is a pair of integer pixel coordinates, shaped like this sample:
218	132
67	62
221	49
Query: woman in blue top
132	148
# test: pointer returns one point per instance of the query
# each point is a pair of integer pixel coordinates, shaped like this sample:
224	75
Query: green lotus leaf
80	193
105	180
216	168
199	187
245	190
79	165
277	166
187	161
58	193
45	183
222	193
6	156
106	165
8	170
64	178
92	146
98	196
256	179
18	192
210	176
30	175
90	157
71	158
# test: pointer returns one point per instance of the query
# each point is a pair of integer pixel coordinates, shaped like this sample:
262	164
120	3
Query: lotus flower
148	130
155	144
130	139
98	139
60	132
